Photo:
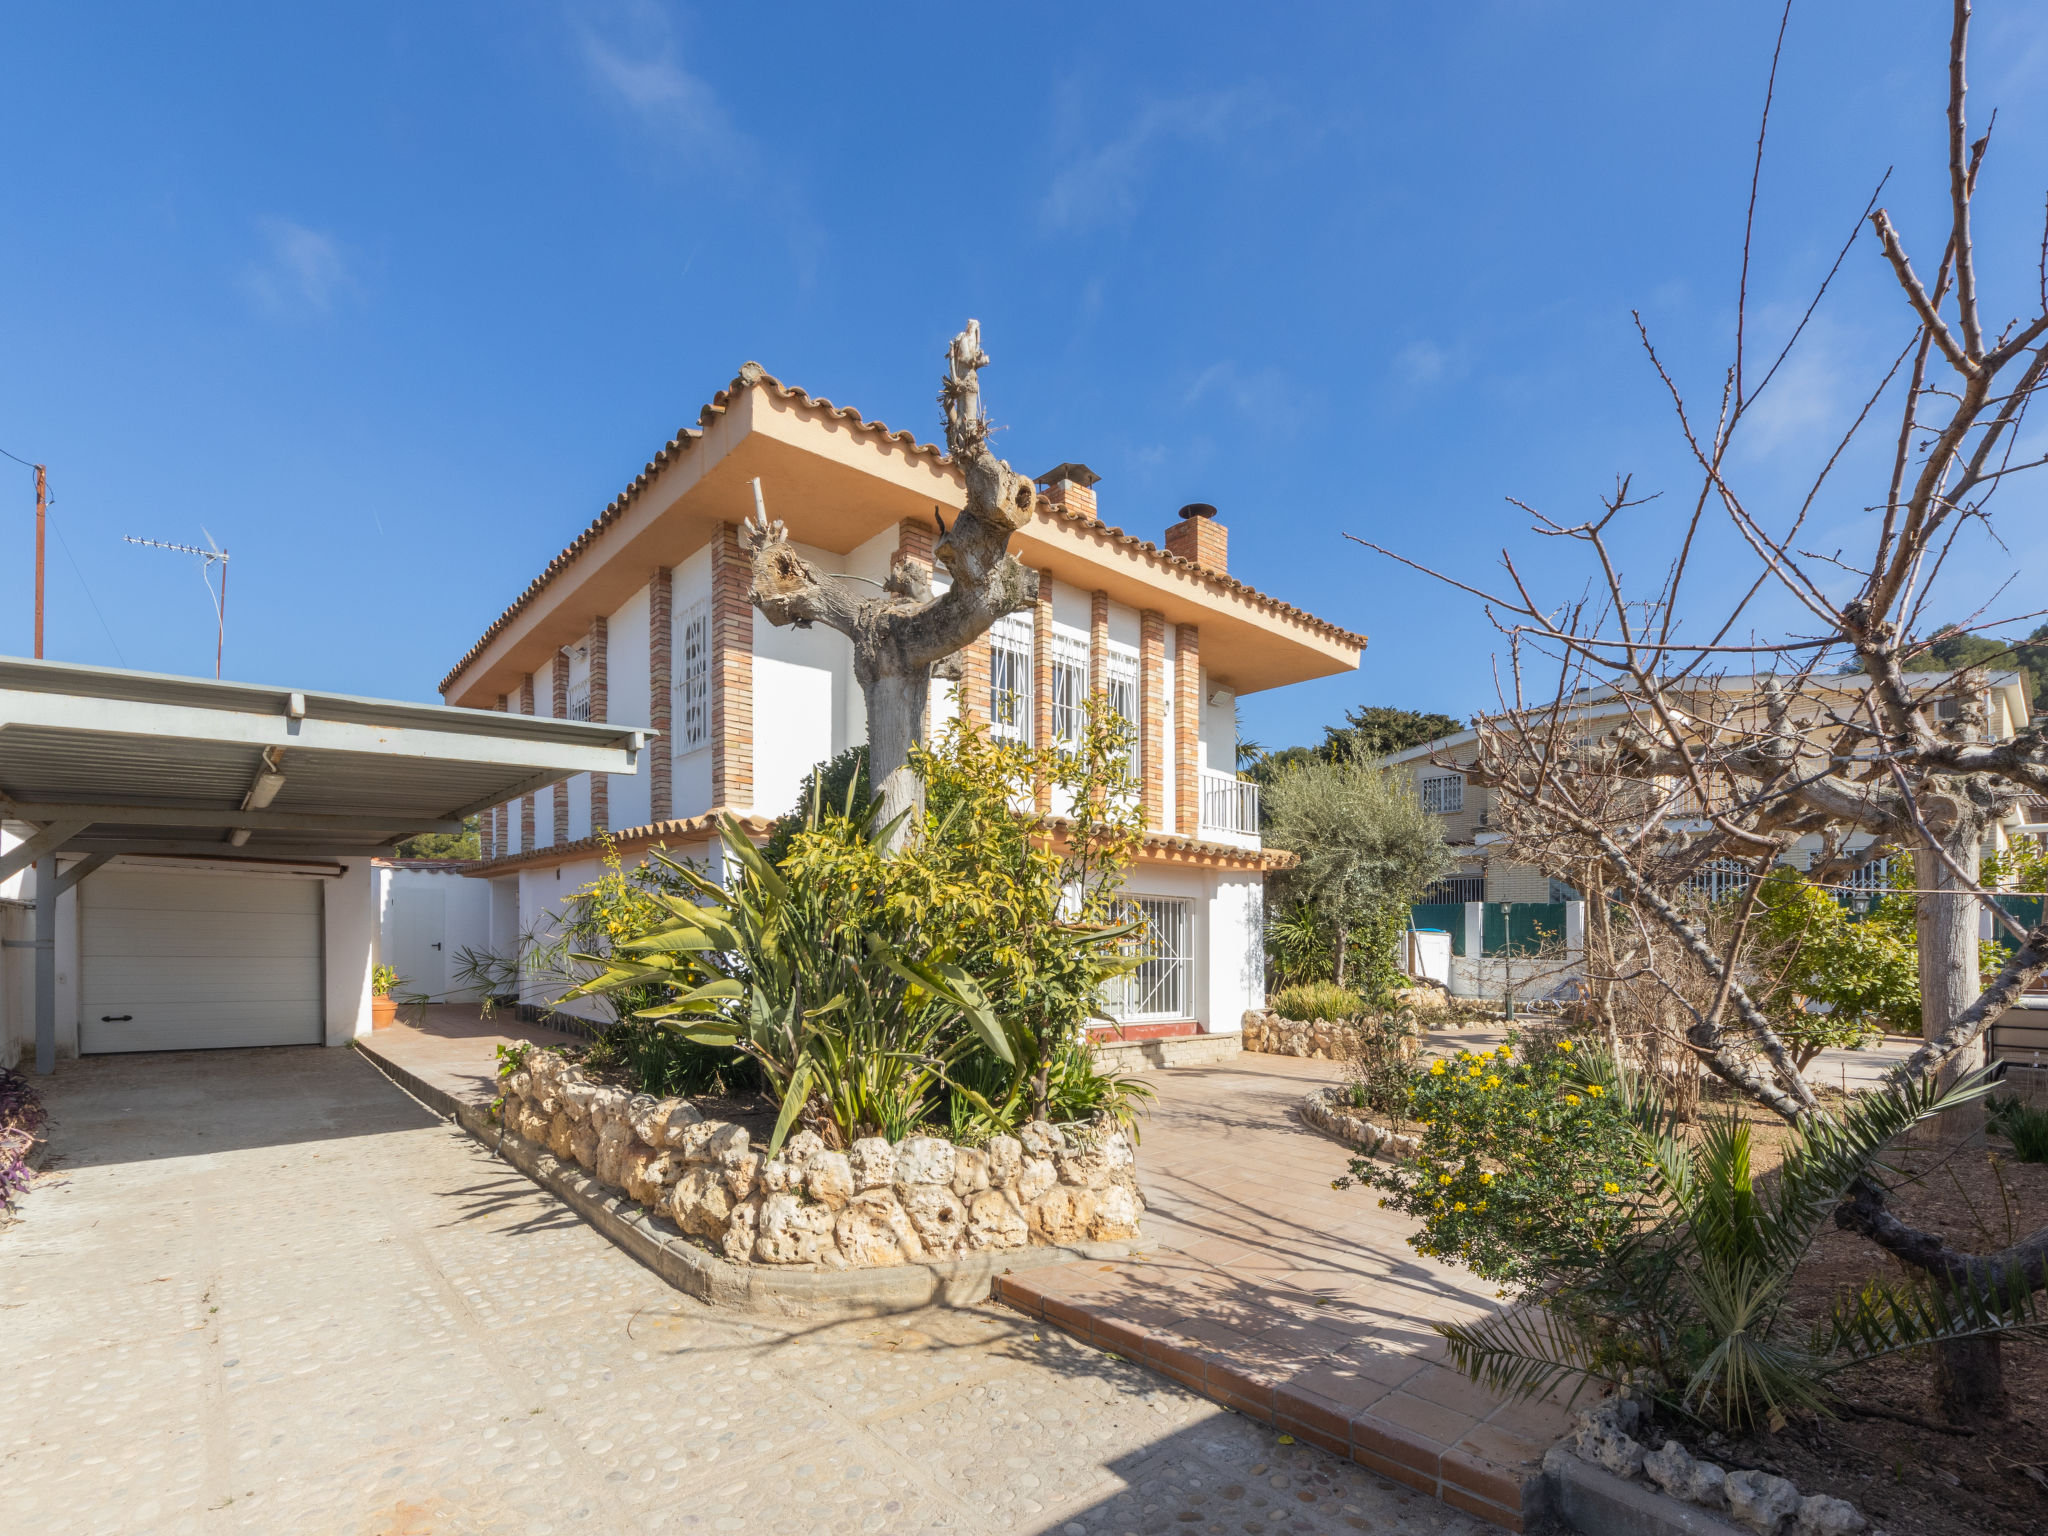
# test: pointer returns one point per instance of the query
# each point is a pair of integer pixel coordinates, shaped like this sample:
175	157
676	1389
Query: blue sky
390	300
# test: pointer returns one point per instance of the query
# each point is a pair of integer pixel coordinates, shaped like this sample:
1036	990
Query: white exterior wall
803	680
627	677
348	919
459	919
1169	737
1218	727
1236	950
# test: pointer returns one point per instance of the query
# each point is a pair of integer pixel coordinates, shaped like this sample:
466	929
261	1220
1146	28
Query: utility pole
42	520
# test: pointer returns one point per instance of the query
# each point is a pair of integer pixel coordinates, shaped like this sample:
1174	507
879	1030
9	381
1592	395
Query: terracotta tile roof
627	838
1159	847
753	373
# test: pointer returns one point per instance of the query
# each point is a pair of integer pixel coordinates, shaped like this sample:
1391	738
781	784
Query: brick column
732	673
974	682
1187	729
561	711
1098	644
661	752
526	835
1152	717
600	709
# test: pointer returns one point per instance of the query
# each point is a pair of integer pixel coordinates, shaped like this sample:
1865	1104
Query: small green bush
1520	1162
1316	1000
1379	1074
2021	1124
665	1062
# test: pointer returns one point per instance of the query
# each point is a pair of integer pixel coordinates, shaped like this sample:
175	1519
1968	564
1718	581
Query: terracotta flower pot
383	1011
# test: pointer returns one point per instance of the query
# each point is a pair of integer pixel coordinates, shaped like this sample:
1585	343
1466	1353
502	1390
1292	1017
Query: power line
66	547
24	463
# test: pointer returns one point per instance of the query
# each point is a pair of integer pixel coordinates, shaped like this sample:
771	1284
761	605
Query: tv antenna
209	557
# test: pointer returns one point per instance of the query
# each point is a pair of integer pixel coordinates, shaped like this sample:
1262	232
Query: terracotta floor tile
1446	1426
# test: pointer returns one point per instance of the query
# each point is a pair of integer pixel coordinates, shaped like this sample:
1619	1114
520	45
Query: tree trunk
1946	929
896	710
1969	1380
1343	943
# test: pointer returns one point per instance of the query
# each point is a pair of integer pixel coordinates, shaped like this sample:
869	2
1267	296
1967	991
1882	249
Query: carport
226	830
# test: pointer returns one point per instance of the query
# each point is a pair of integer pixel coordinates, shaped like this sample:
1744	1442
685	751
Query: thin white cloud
642	75
303	269
1256	398
1423	363
1102	185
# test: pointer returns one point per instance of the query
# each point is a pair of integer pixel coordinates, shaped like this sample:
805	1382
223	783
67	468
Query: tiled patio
1260	1285
1285	1299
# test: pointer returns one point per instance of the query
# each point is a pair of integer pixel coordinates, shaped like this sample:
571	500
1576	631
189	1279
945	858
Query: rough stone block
741	1230
788	1231
1820	1515
873	1163
742	1173
1037	1175
1005	1160
994	1221
1064	1214
828	1179
938	1216
925	1160
700	1203
1766	1504
1041	1138
970	1171
1117	1215
583	1143
873	1232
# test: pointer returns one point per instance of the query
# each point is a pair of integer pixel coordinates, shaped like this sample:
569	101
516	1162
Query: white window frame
1163	985
1069	690
1443	793
1123	690
1010	678
693	679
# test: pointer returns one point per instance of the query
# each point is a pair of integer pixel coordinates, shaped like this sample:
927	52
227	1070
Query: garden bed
875	1204
1908	1478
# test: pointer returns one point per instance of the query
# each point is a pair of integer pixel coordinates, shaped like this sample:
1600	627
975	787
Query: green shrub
1521	1163
663	1061
1379	1074
2021	1124
1316	1000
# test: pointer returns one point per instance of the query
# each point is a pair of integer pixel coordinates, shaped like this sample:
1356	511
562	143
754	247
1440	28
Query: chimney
1199	539
1071	487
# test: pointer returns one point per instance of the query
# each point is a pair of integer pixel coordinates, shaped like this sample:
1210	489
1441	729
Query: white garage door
178	960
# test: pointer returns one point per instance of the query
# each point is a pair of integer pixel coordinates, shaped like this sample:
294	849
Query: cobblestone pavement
263	1291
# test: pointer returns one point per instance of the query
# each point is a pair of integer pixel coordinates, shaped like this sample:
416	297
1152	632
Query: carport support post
46	965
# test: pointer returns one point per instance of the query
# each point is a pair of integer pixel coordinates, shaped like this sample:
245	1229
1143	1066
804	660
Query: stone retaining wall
1319	1039
1329	1110
871	1206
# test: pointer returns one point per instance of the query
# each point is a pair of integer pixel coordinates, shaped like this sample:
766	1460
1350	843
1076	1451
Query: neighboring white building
645	619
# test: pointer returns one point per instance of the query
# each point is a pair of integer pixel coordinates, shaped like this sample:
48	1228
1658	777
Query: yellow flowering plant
1518	1158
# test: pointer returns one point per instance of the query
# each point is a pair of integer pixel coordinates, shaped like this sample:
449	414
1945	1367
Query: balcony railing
1229	804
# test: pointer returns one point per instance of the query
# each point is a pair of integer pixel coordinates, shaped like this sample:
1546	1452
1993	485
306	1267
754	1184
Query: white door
419	934
181	959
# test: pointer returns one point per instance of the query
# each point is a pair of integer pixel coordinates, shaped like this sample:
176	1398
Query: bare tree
1655	749
905	630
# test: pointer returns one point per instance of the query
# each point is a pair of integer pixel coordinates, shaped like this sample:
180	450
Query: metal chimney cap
1080	474
1198	509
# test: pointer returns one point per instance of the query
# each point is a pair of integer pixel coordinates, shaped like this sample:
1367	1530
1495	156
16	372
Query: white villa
644	620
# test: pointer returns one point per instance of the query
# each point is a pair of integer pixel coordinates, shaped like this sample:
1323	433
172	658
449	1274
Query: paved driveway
264	1291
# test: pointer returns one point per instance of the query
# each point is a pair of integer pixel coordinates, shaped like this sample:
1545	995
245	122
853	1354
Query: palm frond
1521	1352
1886	1317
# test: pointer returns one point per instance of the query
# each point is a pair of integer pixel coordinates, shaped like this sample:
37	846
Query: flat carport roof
96	762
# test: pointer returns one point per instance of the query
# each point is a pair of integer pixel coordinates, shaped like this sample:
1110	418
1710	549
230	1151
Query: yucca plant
1693	1291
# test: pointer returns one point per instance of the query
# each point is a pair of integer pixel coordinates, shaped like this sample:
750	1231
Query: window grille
1718	880
579	699
1009	677
1456	888
1069	690
1123	691
1159	988
693	686
1443	793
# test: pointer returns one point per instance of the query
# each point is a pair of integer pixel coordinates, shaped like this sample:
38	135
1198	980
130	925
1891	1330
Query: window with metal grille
1443	793
1123	691
579	699
1009	677
1160	986
693	680
1719	879
1069	690
1456	888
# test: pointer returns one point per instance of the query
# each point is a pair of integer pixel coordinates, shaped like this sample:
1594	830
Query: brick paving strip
1258	1285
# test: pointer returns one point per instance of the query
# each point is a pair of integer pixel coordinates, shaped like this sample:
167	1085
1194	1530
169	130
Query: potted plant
384	980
